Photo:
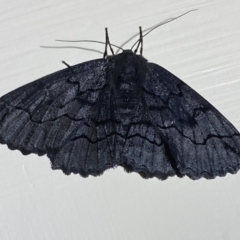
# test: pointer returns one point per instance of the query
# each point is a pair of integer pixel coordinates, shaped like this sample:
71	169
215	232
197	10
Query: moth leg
68	66
140	42
107	44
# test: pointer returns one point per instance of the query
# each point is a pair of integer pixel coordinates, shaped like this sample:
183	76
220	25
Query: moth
120	110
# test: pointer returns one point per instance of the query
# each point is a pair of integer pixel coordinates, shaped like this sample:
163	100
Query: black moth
120	111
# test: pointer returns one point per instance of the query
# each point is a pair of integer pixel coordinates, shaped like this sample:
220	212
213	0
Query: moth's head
126	66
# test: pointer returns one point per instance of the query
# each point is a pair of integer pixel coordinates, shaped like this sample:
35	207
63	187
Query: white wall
202	48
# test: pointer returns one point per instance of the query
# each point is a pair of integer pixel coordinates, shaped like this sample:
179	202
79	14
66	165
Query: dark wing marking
56	115
144	150
95	145
145	153
201	142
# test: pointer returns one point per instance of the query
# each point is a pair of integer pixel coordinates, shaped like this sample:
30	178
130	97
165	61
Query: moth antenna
140	42
113	45
162	24
107	44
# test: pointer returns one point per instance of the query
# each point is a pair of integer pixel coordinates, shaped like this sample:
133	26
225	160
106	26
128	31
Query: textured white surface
202	48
